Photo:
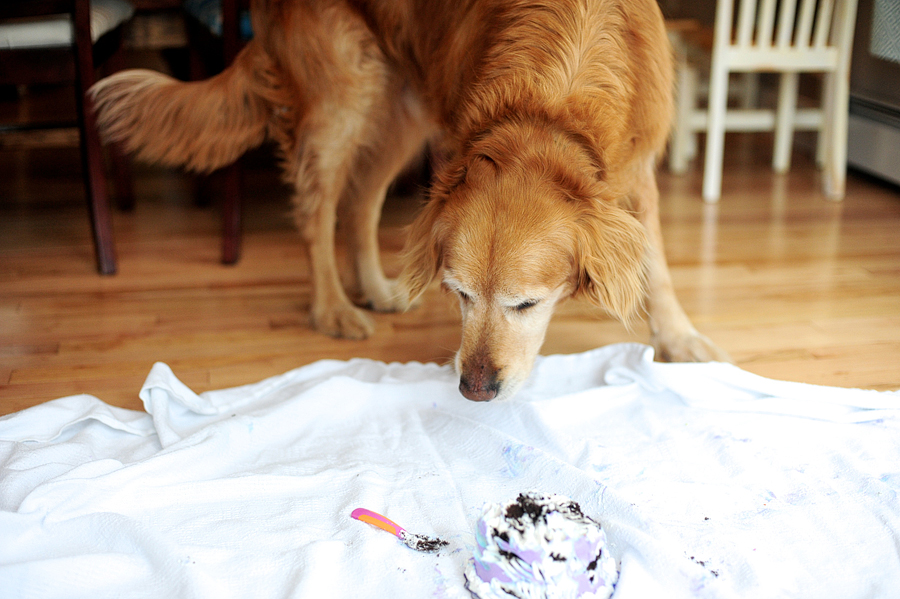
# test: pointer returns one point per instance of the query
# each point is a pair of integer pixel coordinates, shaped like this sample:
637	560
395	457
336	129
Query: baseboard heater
874	139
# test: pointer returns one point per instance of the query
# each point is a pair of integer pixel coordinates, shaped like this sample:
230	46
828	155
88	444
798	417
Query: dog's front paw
345	322
690	346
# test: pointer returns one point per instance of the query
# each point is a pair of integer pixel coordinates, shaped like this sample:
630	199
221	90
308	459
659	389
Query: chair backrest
785	35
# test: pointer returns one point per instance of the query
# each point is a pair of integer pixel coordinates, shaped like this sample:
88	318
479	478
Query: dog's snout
478	391
482	384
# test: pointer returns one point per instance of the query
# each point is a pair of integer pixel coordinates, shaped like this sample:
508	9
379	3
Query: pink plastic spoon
411	540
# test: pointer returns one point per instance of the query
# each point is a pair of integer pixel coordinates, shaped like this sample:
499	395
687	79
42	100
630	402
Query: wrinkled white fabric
709	481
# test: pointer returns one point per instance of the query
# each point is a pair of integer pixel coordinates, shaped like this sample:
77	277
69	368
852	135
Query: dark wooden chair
69	54
217	30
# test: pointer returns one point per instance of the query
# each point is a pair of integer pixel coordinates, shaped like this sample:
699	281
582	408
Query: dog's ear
611	260
422	256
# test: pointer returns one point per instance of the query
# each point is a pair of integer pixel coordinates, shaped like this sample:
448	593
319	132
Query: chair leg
93	168
784	122
97	192
679	150
715	133
231	214
835	102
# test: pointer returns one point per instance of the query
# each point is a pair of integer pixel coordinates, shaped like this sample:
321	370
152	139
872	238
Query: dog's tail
200	125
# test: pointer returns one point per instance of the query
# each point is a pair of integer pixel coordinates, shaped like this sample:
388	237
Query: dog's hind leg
672	334
399	136
341	78
323	170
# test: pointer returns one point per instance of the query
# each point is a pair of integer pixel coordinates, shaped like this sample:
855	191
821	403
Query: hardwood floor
793	286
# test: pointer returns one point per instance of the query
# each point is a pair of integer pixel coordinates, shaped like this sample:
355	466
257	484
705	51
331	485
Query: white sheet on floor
710	482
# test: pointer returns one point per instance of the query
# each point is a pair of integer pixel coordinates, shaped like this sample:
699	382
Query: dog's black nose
479	388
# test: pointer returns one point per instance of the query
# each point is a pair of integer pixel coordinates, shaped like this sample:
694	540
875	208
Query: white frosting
540	547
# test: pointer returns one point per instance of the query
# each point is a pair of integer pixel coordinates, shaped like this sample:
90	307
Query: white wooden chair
749	37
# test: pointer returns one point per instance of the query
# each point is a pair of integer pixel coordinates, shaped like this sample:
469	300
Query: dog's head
512	242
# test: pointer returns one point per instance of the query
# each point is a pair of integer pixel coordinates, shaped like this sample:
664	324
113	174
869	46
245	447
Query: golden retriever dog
549	116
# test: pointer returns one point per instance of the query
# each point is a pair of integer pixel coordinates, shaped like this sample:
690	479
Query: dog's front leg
331	311
672	334
399	133
320	178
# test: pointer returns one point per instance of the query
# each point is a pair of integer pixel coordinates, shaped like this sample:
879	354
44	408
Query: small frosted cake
540	546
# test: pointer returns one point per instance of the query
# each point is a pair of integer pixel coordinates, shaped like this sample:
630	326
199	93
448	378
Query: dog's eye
465	297
525	305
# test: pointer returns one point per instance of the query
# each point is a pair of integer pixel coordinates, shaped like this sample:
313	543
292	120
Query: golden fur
548	116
